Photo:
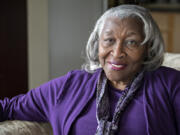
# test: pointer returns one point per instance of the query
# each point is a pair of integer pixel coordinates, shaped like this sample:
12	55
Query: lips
117	65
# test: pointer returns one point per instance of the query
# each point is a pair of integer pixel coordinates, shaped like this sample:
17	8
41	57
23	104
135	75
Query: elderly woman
123	90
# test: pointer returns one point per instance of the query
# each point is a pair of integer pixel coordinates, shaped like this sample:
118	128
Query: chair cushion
16	127
172	60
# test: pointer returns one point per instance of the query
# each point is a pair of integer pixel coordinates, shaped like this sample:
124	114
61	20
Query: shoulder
76	79
69	84
82	76
164	72
73	79
163	77
75	76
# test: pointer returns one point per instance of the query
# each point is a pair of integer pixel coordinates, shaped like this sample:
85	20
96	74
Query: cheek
101	58
137	59
101	53
138	55
103	50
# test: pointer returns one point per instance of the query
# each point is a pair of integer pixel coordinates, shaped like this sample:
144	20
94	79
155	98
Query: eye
131	44
109	41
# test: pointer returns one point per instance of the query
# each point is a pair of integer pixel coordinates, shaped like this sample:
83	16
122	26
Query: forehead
129	24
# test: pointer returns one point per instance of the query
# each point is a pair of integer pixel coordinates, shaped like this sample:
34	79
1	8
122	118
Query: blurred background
44	39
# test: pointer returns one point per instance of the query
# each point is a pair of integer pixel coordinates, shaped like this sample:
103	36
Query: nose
118	51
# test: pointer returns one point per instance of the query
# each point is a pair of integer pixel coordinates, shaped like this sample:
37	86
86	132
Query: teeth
118	66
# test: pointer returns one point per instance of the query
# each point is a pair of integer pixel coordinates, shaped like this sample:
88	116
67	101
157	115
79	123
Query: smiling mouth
118	67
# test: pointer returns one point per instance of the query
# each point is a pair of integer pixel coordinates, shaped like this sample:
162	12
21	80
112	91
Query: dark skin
120	53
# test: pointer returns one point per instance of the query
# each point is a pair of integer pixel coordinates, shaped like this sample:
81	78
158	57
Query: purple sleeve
176	101
36	105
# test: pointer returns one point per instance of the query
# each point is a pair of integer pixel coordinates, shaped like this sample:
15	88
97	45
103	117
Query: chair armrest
16	127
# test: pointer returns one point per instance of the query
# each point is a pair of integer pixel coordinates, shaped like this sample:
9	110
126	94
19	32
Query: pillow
172	60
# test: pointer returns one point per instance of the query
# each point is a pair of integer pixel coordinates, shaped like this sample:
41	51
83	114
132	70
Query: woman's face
120	53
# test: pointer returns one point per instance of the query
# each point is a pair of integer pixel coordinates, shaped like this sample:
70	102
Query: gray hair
153	37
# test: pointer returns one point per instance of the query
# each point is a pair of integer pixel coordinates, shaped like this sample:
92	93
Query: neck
120	85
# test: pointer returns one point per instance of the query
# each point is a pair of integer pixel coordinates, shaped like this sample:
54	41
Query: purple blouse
68	103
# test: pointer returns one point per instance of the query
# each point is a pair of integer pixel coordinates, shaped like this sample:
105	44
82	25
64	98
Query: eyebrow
131	33
108	32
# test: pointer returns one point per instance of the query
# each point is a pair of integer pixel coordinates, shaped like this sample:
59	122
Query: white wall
38	56
57	33
70	24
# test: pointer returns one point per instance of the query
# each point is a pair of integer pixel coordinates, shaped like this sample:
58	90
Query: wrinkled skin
120	53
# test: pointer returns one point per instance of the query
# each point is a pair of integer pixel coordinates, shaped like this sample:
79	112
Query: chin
116	78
